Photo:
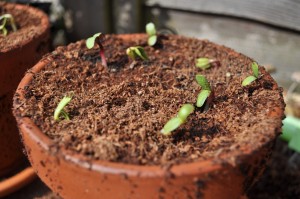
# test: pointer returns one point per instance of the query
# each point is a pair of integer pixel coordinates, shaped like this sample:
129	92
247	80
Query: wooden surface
283	13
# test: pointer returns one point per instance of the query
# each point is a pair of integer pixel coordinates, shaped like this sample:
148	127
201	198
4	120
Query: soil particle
118	111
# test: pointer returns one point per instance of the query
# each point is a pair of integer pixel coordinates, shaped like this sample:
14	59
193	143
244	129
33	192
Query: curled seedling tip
59	111
151	31
248	80
206	94
7	19
135	52
97	38
181	117
205	63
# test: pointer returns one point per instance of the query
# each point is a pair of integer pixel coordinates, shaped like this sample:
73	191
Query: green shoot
181	117
202	81
135	52
205	63
151	31
202	96
291	132
97	38
205	94
248	80
60	108
7	19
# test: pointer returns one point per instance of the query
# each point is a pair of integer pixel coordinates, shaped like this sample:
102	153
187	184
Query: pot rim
27	125
44	23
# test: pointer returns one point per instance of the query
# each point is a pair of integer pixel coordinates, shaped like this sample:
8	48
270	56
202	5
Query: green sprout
60	107
291	132
151	31
97	38
206	93
205	63
135	52
253	77
7	19
181	117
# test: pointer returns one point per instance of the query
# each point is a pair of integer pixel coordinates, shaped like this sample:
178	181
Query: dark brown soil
117	112
28	27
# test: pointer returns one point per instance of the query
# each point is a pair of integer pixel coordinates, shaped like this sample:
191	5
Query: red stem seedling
97	38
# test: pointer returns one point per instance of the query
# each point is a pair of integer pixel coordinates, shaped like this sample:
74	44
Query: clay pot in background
15	59
74	176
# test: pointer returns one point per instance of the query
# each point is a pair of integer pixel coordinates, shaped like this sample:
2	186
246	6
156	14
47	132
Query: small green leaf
255	69
171	125
203	95
185	111
202	81
203	63
152	40
60	107
150	29
248	80
90	42
136	51
141	53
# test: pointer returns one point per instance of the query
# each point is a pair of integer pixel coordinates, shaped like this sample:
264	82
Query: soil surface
28	27
117	112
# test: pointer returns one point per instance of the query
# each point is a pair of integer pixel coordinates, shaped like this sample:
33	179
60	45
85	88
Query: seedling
135	52
248	80
206	94
205	63
7	19
59	111
291	132
97	38
152	36
181	117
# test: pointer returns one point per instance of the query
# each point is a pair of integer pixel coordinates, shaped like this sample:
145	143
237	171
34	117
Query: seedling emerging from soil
60	108
135	52
291	132
248	80
206	94
7	19
181	117
97	38
205	63
151	31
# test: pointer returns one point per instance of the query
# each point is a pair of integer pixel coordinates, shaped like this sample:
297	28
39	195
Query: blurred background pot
19	51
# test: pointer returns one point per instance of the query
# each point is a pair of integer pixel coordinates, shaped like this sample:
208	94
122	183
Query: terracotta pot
14	62
73	176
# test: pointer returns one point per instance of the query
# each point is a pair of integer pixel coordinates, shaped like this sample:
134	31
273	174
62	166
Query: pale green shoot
181	117
135	52
248	80
151	31
59	111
